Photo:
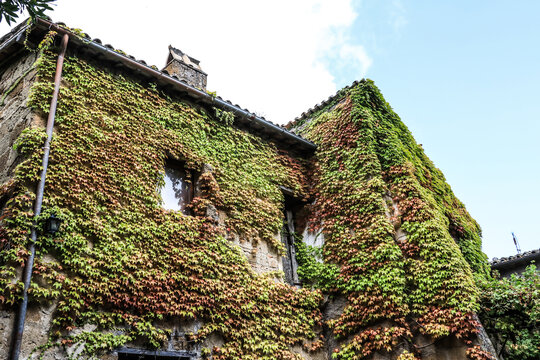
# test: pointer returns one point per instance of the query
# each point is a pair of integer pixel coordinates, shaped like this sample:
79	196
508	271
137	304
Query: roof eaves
16	35
246	117
507	262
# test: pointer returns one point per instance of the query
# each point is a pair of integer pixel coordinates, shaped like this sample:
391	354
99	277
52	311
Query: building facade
192	228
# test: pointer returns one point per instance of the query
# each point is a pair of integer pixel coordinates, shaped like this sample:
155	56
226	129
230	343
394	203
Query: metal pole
27	275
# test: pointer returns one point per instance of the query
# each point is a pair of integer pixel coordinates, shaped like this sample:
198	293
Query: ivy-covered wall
395	278
122	263
398	245
511	314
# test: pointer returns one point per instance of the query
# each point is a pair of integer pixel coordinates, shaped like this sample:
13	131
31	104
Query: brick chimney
186	68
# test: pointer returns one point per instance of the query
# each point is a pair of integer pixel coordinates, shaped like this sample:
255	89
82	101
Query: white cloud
398	18
356	54
266	56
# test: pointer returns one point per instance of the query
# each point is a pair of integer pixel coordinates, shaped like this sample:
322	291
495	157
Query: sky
464	77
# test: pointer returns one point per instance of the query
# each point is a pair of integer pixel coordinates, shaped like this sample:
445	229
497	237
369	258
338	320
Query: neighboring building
515	264
193	228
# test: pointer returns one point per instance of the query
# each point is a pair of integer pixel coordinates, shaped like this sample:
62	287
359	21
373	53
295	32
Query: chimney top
186	68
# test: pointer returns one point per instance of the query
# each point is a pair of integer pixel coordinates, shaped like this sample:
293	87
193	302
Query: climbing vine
510	313
398	245
404	245
121	262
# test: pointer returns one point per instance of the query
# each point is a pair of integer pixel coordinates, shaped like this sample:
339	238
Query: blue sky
463	76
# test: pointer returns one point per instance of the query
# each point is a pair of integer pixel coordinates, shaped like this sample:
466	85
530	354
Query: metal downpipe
27	275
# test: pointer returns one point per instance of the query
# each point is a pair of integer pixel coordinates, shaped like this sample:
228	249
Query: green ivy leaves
371	180
123	263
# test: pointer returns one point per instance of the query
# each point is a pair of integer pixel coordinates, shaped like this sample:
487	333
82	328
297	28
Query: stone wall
36	331
15	116
16	79
262	257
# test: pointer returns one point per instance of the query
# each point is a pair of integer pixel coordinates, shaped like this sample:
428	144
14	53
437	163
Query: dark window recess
290	266
177	192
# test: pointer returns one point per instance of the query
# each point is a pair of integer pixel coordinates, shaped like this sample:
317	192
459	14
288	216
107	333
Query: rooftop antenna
516	243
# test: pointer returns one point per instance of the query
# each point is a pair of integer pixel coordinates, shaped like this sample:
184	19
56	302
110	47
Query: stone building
193	228
515	264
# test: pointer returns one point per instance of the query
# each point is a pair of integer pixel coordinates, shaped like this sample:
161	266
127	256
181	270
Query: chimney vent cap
177	54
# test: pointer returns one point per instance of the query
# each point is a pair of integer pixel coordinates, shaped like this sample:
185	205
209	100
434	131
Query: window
290	264
177	192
